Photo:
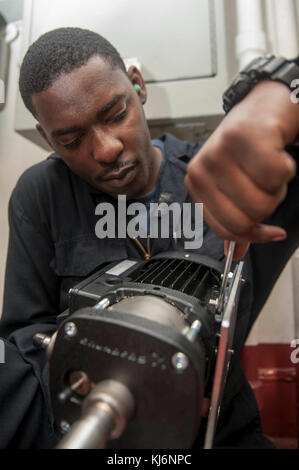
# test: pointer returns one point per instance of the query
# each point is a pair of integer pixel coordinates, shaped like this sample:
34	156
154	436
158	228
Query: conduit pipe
251	38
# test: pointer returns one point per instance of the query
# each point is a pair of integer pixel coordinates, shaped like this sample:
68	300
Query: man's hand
241	173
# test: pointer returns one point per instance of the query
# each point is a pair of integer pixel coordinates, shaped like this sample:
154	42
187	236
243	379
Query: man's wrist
277	69
273	100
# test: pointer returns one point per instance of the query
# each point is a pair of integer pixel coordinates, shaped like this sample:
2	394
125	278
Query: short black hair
58	52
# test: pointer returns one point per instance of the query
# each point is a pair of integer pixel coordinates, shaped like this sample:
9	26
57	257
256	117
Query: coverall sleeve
24	419
31	297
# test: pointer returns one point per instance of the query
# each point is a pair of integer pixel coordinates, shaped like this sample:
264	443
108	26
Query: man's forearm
242	172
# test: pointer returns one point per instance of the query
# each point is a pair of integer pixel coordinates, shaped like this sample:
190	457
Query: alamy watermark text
295	92
295	354
157	220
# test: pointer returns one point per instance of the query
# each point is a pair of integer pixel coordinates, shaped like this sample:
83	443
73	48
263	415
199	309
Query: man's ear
43	134
136	78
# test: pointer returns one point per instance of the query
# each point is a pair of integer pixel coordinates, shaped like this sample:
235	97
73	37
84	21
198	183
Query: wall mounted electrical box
180	45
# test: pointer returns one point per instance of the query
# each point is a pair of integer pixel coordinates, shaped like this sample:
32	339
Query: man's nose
106	148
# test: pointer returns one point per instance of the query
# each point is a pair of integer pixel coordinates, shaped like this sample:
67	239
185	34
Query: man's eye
75	143
119	117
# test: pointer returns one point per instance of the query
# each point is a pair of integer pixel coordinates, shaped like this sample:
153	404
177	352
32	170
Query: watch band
261	68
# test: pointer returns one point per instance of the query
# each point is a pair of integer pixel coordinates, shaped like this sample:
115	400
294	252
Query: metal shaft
105	414
91	431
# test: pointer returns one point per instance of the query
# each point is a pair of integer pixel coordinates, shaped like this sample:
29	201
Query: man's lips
117	175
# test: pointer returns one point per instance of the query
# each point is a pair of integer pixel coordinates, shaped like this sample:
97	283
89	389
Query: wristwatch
262	68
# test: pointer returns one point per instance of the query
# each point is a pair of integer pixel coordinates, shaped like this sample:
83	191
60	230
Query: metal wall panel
172	39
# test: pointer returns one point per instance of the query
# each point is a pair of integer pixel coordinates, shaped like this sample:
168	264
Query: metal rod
69	391
227	267
91	431
105	414
224	355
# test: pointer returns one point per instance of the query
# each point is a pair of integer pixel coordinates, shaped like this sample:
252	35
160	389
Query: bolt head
180	361
70	329
64	427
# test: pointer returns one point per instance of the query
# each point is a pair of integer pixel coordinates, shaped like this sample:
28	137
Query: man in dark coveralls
90	111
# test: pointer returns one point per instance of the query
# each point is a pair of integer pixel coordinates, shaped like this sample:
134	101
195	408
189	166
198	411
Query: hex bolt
41	341
180	361
193	330
64	427
70	329
102	304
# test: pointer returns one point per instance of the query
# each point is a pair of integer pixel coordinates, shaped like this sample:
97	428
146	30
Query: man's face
93	118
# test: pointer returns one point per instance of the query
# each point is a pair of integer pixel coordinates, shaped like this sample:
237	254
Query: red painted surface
275	382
